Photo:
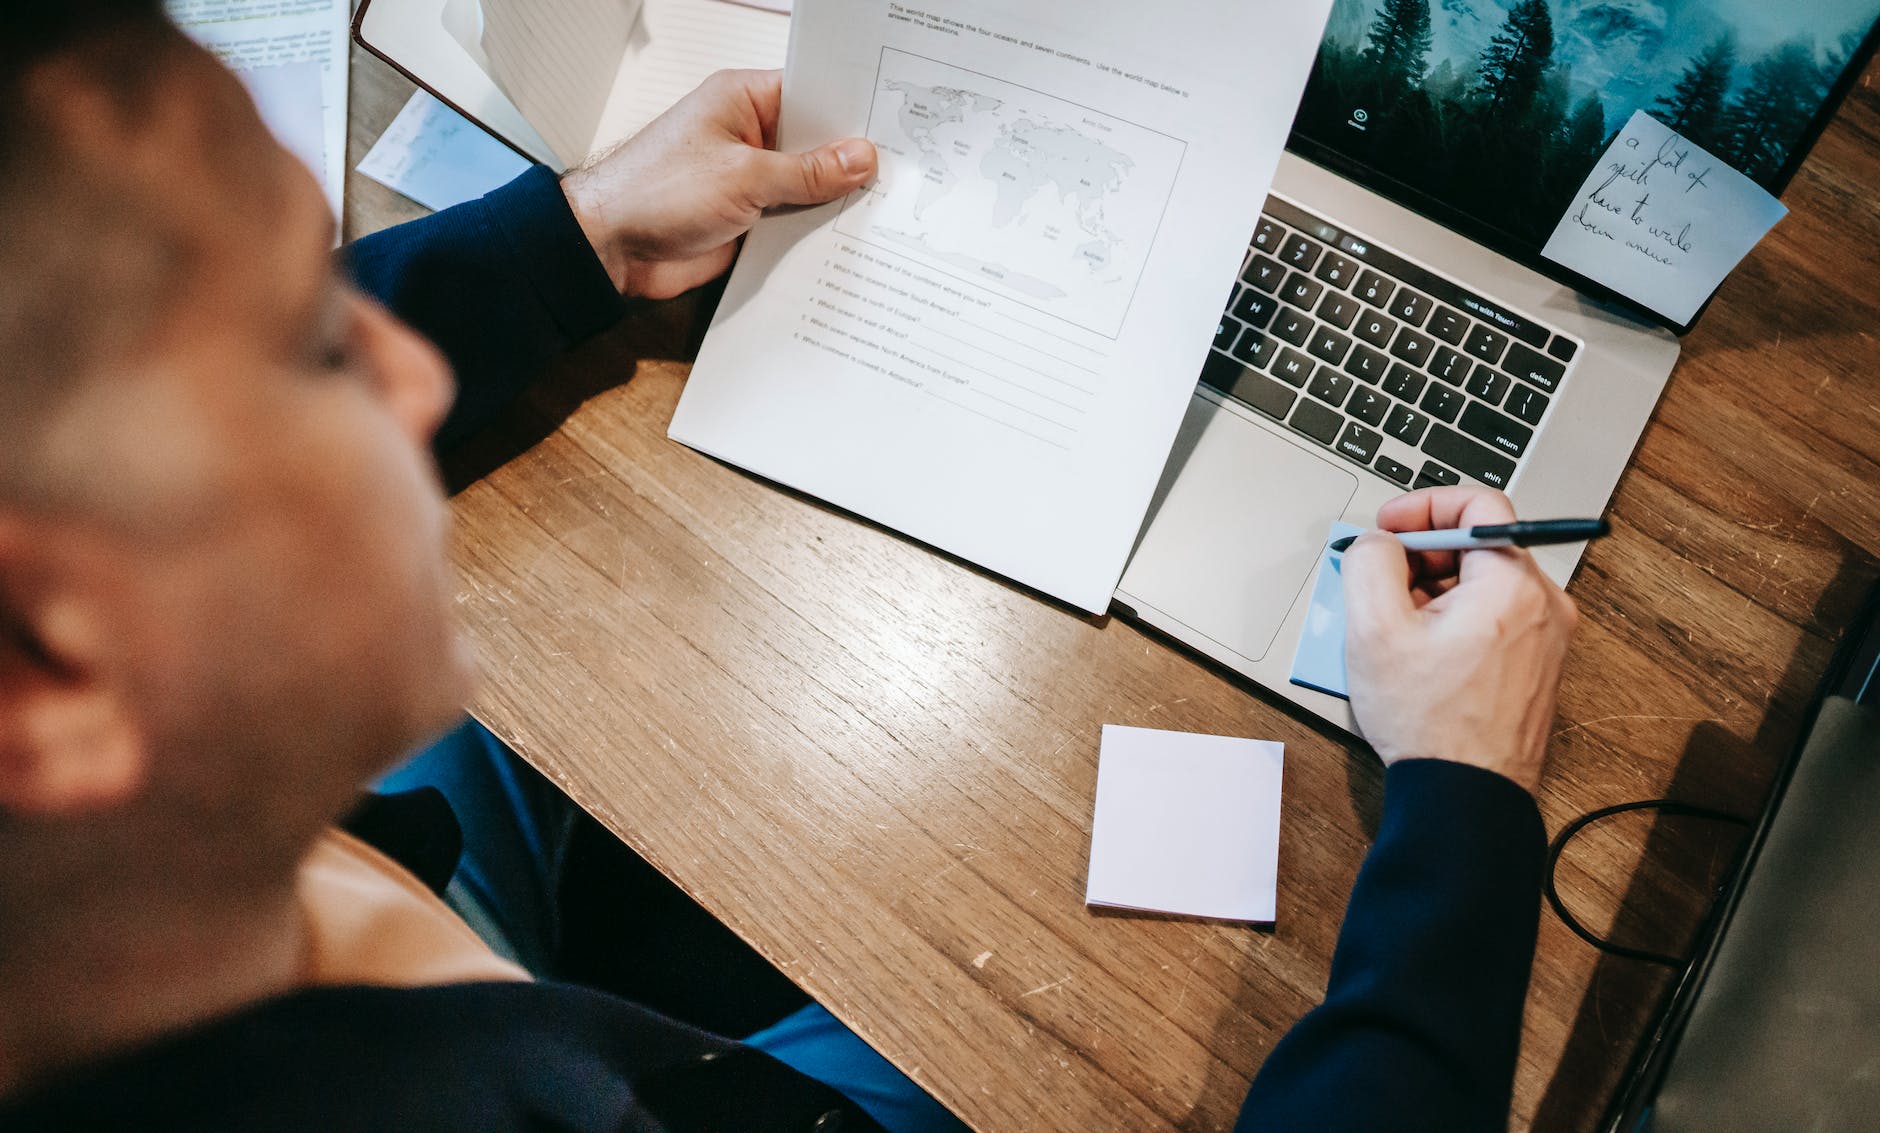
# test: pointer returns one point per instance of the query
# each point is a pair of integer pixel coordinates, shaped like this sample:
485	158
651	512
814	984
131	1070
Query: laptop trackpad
1235	534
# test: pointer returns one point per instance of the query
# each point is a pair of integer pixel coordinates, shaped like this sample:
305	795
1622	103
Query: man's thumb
814	176
1376	575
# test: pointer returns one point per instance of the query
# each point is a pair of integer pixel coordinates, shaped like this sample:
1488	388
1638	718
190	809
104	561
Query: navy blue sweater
1418	1031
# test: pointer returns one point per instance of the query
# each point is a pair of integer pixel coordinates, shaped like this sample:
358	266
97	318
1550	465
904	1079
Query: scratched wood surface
877	764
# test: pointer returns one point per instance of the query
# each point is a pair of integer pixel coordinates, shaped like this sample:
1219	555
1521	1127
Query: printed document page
292	56
990	348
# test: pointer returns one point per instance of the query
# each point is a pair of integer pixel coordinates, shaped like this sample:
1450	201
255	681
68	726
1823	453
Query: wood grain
877	764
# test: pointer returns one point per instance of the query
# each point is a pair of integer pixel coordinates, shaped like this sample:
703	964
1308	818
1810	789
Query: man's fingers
812	178
1376	574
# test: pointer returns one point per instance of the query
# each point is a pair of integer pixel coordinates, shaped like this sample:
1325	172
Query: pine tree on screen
1695	106
1398	44
1515	62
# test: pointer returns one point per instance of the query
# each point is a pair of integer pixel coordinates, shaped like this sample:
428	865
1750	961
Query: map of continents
1018	158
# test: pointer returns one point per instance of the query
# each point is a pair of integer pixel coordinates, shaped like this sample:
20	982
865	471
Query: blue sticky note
1319	662
1661	220
433	155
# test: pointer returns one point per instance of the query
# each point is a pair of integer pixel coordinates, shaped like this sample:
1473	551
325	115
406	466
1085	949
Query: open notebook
560	79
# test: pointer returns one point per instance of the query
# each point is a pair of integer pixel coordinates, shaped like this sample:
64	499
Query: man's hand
1453	655
665	208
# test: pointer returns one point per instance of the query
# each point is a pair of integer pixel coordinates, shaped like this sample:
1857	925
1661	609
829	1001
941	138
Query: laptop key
1392	470
1358	443
1293	368
1524	363
1265	273
1406	424
1293	326
1528	404
1435	475
1450	325
1339	310
1330	386
1486	344
1488	383
1410	306
1255	308
1366	364
1220	371
1301	290
1562	348
1300	253
1373	288
1268	235
1368	406
1497	431
1403	383
1317	421
1264	394
1226	333
1442	402
1375	327
1337	271
1450	366
1467	457
1330	346
1412	346
1255	349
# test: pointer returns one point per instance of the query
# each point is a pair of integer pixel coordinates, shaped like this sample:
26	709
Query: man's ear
68	741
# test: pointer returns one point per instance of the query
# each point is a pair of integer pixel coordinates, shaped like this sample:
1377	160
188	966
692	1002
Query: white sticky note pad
1661	220
1186	824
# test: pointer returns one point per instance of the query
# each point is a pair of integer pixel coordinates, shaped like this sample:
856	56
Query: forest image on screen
1499	108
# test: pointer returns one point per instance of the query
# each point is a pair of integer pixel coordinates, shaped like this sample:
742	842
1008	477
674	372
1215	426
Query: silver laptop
1395	325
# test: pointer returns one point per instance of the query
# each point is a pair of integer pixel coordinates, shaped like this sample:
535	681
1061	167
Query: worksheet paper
990	348
1186	824
1661	220
292	56
432	155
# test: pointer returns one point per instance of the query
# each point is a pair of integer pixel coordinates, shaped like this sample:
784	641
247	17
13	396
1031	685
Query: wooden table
877	764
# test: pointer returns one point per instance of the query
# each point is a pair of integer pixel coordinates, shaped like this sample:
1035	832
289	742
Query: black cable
1667	806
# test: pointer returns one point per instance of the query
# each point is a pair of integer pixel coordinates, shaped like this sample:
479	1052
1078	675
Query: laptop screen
1488	114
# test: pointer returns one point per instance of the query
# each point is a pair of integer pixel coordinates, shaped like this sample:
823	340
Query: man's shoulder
481	1055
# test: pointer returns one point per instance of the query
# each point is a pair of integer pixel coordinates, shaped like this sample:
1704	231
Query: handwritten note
1661	221
1319	662
432	155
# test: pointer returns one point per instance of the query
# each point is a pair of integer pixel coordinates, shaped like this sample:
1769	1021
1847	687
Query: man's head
223	602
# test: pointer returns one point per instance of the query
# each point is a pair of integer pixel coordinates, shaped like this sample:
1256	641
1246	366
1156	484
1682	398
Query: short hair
77	270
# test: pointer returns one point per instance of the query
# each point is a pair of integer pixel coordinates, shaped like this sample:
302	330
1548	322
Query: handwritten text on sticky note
1661	221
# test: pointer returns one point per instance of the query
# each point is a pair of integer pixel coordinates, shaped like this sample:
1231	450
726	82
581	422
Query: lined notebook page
676	45
557	63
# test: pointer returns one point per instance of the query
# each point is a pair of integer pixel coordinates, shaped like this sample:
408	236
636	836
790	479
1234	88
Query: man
223	609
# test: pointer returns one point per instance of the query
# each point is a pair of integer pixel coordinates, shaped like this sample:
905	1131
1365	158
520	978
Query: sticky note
1319	662
1186	824
1661	221
436	157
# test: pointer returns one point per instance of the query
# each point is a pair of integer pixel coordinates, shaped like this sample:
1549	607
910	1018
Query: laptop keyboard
1384	362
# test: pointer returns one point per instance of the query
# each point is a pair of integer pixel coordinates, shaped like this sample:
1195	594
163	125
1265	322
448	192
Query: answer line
995	420
1049	334
1028	346
996	377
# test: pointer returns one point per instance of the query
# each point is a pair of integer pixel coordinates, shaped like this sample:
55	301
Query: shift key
1464	455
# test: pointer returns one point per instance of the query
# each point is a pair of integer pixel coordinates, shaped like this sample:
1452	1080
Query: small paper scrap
1661	221
1186	824
1319	662
431	154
